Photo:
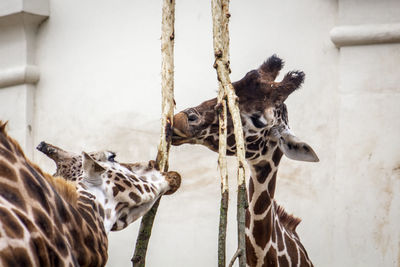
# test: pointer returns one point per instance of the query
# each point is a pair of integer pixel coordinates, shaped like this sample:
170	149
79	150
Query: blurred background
85	75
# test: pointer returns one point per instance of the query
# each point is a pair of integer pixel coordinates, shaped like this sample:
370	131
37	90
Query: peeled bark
168	104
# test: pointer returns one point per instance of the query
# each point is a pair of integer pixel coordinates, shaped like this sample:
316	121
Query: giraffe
271	238
48	221
69	164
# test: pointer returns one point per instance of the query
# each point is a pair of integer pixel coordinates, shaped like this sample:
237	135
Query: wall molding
19	75
366	34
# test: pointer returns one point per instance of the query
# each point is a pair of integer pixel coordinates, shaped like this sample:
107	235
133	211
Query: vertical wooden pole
168	104
220	14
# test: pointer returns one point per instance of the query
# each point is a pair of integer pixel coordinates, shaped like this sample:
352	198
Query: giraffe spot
54	258
16	256
272	143
25	221
283	261
34	190
12	195
38	248
87	217
254	146
12	227
89	241
43	222
251	189
251	256
120	187
4	141
247	219
251	138
134	197
276	157
61	209
133	178
121	205
270	258
146	188
60	245
8	155
262	203
303	256
271	186
101	211
7	172
262	169
265	150
231	140
262	230
115	191
291	249
280	237
138	187
249	154
127	183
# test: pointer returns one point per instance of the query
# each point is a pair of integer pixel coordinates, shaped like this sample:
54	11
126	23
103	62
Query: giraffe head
69	164
125	195
263	113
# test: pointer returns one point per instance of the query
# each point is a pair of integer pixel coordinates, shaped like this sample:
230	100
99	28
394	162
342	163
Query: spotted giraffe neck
271	238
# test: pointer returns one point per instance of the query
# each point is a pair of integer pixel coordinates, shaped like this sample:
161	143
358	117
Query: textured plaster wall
99	88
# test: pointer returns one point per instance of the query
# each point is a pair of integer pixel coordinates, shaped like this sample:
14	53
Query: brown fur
65	188
289	221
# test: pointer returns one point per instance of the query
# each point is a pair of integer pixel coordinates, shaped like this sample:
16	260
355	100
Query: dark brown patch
271	186
251	189
12	195
134	197
34	190
139	188
61	210
251	257
247	219
291	249
146	188
262	230
115	191
12	227
283	262
43	222
38	248
276	157
7	172
231	140
120	187
60	245
262	203
127	183
270	258
281	245
262	170
15	256
25	220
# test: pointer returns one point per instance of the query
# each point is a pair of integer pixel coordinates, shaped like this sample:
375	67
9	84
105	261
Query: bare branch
168	104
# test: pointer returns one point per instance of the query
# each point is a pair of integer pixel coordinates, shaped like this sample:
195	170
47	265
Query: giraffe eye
111	157
192	117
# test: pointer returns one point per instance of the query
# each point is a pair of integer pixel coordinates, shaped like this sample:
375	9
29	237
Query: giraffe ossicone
271	238
51	221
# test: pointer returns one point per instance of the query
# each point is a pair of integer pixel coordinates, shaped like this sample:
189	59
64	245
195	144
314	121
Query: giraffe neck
271	239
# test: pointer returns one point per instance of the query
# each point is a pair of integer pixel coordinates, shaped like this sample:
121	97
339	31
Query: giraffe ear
295	149
91	170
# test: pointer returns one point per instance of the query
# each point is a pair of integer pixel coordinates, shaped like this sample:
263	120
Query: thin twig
168	104
220	13
235	256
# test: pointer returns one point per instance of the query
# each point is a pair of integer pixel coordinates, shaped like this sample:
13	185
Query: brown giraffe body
271	238
48	221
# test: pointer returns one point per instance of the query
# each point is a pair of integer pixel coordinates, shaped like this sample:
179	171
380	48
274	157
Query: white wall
100	88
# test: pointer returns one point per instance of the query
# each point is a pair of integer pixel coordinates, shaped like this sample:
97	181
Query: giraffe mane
289	221
65	188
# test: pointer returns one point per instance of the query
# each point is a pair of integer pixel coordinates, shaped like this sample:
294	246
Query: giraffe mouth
178	137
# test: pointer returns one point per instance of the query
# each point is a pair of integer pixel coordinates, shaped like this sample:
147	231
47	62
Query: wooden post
220	14
168	104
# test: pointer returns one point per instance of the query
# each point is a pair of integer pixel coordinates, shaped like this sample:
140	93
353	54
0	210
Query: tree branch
168	104
220	14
